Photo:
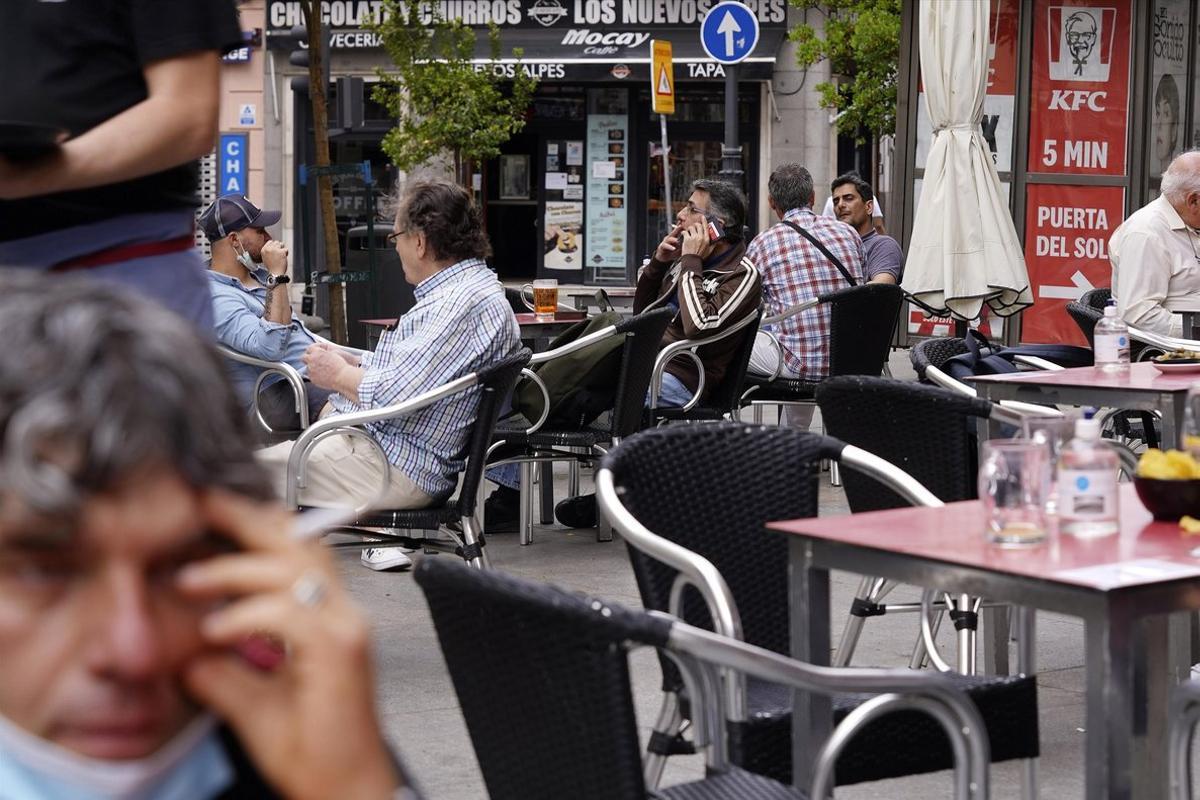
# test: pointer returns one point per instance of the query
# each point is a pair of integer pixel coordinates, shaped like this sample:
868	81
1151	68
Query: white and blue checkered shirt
460	323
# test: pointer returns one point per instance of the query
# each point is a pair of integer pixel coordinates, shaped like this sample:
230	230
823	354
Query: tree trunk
320	113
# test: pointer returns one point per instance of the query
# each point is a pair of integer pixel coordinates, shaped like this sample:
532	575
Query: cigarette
318	521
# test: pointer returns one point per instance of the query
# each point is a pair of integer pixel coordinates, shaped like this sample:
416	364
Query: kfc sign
1079	112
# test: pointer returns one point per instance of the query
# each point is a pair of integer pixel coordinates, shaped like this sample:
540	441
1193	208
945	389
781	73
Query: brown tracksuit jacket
711	296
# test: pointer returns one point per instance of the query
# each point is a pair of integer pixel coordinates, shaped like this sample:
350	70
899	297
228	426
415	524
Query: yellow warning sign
662	77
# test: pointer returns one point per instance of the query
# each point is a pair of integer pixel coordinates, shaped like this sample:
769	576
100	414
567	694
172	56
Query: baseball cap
233	212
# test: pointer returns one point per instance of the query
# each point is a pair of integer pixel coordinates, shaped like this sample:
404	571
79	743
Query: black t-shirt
77	63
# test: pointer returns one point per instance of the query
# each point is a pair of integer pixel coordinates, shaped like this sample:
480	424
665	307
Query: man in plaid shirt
794	270
460	324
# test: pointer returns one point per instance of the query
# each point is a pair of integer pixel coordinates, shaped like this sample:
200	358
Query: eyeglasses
394	235
695	209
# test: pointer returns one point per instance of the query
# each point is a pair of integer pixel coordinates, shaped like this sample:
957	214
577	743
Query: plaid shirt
460	323
793	270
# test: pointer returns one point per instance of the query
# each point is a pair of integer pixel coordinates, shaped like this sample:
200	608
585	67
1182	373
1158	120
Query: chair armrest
1162	342
697	570
930	692
1010	411
344	423
1038	363
1184	714
533	376
792	311
571	347
674	349
889	475
269	368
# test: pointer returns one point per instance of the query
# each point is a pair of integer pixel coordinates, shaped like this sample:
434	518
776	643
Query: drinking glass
1054	432
545	297
1189	441
1013	481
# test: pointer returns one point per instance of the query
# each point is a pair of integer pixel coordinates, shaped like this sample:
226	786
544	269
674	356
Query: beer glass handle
528	304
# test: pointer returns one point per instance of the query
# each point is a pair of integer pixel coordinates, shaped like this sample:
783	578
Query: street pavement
420	712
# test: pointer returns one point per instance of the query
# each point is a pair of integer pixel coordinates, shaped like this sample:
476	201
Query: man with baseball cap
252	313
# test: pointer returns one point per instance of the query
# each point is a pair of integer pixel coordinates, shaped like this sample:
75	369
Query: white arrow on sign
1081	285
728	28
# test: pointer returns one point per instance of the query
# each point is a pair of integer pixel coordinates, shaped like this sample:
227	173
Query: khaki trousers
344	471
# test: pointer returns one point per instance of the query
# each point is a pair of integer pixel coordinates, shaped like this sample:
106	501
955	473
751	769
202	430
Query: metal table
1123	587
1143	387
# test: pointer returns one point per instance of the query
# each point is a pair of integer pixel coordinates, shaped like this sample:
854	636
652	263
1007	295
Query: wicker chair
539	444
572	732
495	384
692	502
935	353
723	401
861	321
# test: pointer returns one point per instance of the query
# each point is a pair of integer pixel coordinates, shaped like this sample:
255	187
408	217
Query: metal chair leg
546	480
920	656
835	474
666	728
853	627
472	533
572	478
525	518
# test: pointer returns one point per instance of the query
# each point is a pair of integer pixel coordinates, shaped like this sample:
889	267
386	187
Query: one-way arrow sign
729	32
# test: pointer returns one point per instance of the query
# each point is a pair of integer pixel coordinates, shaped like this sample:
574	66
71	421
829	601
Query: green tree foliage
861	41
443	103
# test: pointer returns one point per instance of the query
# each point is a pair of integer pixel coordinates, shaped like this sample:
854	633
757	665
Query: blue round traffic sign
729	32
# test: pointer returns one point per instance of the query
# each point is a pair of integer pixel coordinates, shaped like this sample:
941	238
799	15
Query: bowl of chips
1168	484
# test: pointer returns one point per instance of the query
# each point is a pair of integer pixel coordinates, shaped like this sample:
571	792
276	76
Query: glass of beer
1013	482
545	297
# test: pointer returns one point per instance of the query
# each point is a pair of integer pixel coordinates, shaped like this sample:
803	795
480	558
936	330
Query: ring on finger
310	589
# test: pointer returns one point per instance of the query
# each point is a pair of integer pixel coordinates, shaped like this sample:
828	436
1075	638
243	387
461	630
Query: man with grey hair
1155	254
163	634
801	257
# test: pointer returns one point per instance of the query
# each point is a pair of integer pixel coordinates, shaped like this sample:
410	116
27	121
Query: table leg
812	714
995	640
1172	406
1113	660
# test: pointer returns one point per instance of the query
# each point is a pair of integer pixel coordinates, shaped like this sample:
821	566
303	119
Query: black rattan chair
861	321
711	489
724	399
935	353
538	443
555	717
495	384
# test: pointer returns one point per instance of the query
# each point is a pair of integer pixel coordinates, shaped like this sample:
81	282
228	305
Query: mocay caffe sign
543	14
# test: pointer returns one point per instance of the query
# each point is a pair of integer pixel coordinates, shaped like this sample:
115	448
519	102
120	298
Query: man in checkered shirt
461	323
793	270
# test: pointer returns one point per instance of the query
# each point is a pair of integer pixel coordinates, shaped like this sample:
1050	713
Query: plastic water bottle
1087	483
1111	353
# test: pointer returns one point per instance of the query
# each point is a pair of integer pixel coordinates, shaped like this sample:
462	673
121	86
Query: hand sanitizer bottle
1111	339
1087	483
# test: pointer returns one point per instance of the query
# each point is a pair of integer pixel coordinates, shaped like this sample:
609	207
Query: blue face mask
192	766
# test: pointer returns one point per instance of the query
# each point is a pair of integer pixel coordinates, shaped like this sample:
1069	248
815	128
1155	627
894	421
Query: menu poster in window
1066	249
563	235
1080	97
1169	53
607	201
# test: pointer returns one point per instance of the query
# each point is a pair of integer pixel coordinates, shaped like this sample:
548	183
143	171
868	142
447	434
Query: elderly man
854	202
252	312
801	257
1155	254
461	322
162	634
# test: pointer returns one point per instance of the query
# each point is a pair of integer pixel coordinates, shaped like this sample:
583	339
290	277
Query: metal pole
731	152
668	208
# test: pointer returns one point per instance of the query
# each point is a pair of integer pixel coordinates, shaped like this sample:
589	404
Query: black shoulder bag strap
825	250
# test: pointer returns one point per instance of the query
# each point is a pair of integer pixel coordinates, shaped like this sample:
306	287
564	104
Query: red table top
1142	375
561	317
1144	552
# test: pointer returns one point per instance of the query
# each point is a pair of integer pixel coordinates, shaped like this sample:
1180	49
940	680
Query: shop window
1169	81
706	104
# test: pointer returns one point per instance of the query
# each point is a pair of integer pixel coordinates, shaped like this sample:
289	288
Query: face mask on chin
191	765
244	258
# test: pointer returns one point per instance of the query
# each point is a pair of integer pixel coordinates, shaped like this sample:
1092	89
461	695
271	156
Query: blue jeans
673	394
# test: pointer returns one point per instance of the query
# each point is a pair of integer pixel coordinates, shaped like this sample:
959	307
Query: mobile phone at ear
715	231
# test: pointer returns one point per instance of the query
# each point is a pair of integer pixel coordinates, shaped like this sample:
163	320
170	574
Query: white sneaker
384	558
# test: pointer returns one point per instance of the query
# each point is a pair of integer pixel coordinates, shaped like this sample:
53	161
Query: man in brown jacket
700	269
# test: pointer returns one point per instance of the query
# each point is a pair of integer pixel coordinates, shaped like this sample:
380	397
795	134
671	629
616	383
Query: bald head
1181	186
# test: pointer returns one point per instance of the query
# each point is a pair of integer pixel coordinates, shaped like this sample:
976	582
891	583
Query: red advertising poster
1078	112
1066	249
1002	47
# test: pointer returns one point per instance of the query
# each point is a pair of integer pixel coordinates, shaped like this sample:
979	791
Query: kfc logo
1081	43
